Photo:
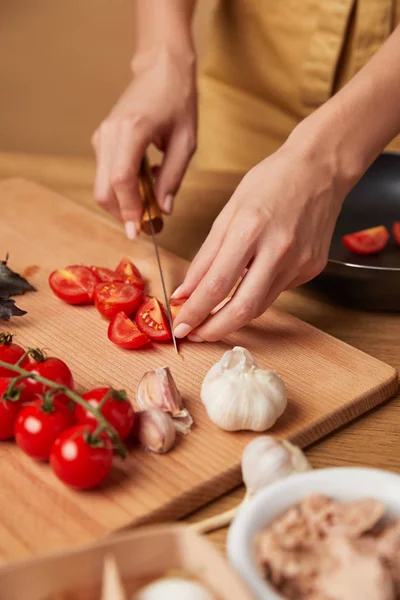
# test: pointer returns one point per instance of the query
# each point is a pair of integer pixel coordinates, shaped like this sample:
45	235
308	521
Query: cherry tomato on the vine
117	410
10	353
79	460
51	368
11	403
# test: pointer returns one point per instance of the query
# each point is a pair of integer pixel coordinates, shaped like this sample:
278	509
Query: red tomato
37	427
10	353
396	232
112	298
130	273
107	275
78	460
74	284
117	410
10	406
151	320
51	368
368	241
124	332
176	305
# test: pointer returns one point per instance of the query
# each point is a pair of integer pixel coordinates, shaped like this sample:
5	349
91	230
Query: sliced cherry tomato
130	273
152	320
117	410
74	284
176	305
79	460
112	298
39	424
396	232
124	332
107	275
51	368
10	353
11	403
368	241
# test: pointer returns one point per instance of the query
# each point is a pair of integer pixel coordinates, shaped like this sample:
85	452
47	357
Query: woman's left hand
275	230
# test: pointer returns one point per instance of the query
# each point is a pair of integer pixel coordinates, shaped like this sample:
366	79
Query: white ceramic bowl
342	483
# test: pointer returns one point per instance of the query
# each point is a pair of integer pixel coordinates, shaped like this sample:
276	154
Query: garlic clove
155	430
267	459
157	389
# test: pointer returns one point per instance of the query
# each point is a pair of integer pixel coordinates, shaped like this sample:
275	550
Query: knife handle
151	213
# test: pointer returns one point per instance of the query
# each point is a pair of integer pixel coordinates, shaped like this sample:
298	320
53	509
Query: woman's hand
275	230
158	106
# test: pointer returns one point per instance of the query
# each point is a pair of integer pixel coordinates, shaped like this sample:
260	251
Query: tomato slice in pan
129	273
152	320
124	332
368	241
107	275
176	305
74	284
396	232
112	298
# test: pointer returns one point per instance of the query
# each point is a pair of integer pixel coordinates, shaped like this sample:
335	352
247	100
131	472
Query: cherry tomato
176	305
130	273
151	320
117	410
78	460
74	284
396	231
368	241
10	406
124	332
10	353
51	368
38	426
107	275
112	298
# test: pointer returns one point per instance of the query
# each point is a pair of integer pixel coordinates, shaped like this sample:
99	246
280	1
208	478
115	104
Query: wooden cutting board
329	383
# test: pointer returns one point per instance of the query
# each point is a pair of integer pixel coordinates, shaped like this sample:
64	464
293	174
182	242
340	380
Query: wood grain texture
328	382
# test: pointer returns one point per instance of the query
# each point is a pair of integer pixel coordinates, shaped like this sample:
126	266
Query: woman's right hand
159	106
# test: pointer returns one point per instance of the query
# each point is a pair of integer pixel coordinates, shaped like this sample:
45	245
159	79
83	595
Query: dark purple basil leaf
8	309
12	284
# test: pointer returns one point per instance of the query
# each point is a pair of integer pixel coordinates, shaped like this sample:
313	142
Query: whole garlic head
238	395
267	459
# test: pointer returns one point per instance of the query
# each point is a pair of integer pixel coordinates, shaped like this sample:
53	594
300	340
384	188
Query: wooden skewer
151	213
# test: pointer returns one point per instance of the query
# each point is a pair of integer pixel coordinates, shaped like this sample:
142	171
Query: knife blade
152	223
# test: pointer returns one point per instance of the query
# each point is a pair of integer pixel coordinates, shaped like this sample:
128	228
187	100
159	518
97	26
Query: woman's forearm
357	123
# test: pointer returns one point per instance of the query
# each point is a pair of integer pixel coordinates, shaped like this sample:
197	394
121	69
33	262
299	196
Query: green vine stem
119	446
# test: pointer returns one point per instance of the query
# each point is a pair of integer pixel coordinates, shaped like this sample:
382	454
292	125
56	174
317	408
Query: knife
151	224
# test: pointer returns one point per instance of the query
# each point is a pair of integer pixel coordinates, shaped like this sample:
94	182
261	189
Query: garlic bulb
238	395
155	430
173	588
267	459
157	389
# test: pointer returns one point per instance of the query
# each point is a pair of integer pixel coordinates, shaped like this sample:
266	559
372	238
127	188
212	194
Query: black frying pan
369	282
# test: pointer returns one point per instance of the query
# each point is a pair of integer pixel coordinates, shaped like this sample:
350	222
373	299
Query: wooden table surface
374	439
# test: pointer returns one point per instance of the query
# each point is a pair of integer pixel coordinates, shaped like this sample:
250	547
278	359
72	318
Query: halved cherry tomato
117	410
74	284
10	353
107	275
38	425
151	320
396	232
124	332
368	241
79	460
11	403
51	368
112	298
176	305
130	273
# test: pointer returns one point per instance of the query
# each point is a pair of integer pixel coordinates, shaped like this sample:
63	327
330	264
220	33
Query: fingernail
168	203
177	292
182	330
131	230
193	337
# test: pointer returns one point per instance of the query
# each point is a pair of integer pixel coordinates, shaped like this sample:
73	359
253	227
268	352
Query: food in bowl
325	549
